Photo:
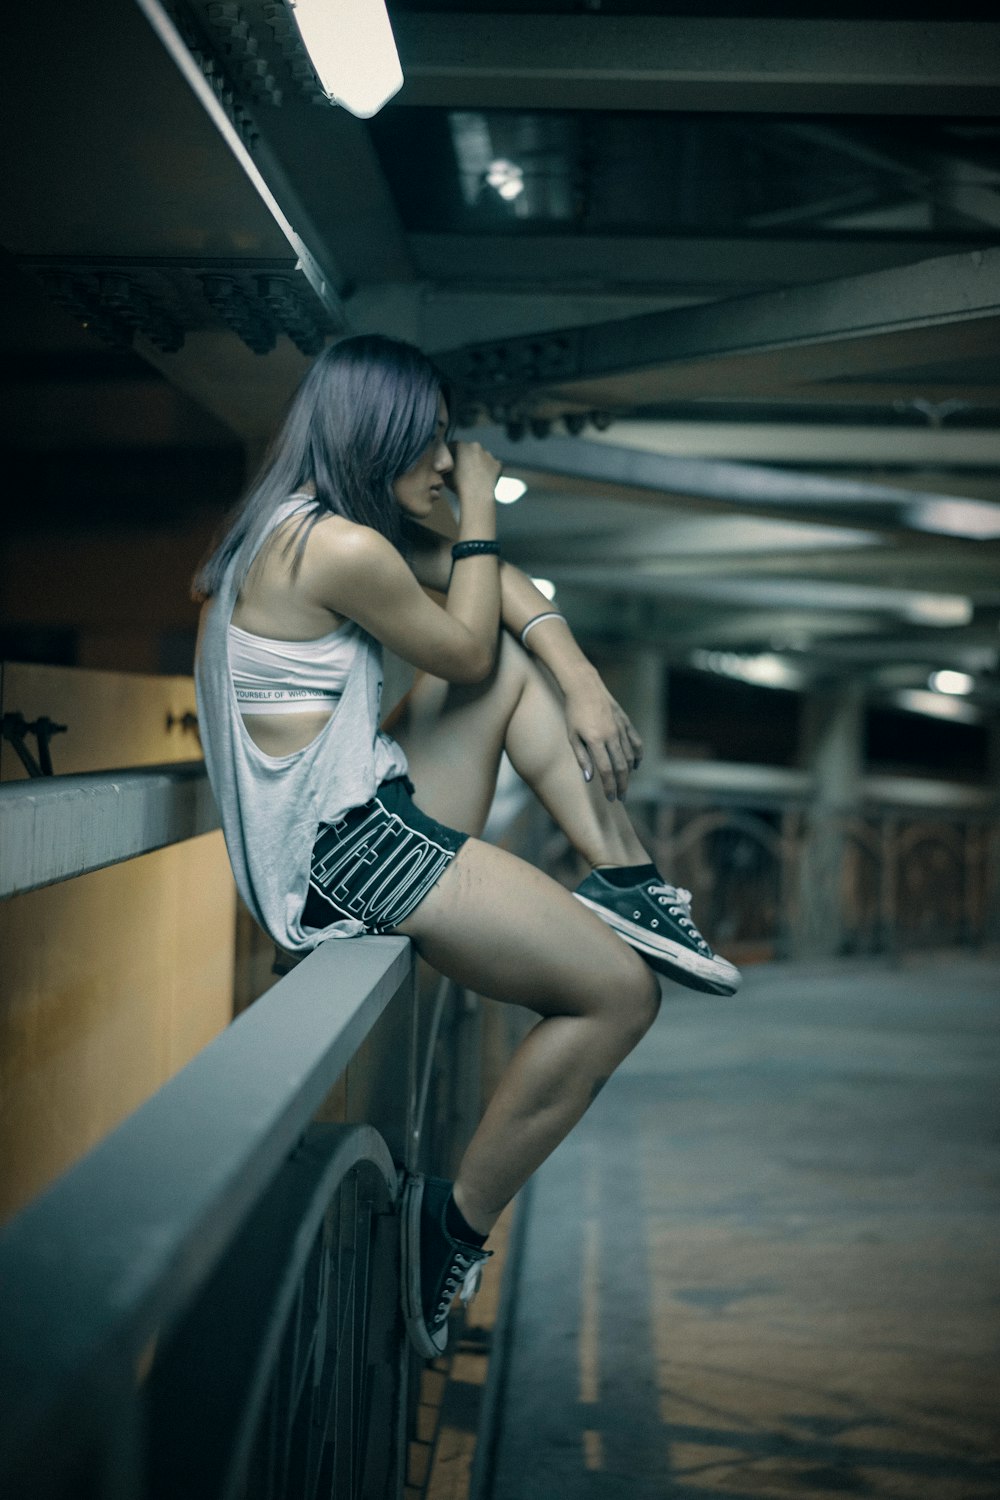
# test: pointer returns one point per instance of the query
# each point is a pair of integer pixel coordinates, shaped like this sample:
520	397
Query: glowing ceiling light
956	683
768	670
937	609
545	586
972	518
508	490
765	669
506	177
351	46
936	705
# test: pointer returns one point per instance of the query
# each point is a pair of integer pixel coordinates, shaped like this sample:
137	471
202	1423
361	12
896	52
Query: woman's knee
630	1003
513	664
644	999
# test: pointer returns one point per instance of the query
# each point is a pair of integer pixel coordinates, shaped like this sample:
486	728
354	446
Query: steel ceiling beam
483	61
330	160
927	567
883	324
261	169
980	389
797	593
661	263
747	487
813	442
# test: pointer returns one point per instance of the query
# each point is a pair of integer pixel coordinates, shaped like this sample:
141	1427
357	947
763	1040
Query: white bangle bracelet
550	614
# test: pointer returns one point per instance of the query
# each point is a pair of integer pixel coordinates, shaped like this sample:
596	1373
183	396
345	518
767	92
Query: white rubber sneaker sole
715	976
412	1300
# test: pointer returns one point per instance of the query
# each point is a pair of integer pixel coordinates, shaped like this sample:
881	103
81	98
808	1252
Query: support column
832	729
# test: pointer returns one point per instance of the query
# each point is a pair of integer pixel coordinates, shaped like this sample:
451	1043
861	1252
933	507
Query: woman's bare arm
355	572
599	730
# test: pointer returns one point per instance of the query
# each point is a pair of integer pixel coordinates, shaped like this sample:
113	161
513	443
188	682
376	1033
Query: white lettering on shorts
400	864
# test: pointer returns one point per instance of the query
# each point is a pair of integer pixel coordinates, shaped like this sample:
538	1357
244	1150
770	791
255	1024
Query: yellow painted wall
112	982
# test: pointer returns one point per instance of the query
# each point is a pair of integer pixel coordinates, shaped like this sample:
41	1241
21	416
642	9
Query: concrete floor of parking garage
766	1263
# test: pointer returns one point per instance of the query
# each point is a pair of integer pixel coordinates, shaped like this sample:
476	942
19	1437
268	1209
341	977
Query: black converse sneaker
434	1265
656	919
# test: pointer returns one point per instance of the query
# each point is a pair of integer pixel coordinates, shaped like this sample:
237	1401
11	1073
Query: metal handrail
226	1206
290	1349
779	876
98	1268
55	828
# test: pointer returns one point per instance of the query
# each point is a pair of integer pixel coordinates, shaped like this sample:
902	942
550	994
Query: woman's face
419	487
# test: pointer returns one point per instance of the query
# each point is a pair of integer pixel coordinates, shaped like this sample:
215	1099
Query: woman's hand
475	473
602	736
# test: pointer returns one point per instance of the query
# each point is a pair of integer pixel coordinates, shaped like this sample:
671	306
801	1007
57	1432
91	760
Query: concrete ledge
54	828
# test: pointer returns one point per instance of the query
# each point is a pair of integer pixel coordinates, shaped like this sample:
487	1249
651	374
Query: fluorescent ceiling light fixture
956	683
936	706
545	586
972	518
351	46
763	670
938	609
508	490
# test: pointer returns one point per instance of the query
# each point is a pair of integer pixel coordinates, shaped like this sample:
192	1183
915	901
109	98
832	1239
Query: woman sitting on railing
322	564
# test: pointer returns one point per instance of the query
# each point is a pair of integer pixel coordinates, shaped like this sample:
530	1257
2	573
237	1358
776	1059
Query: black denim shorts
377	862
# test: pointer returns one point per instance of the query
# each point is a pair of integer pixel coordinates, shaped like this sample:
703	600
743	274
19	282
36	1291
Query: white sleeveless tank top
271	806
287	677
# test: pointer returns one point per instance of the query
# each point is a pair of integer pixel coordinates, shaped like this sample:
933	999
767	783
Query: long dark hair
364	413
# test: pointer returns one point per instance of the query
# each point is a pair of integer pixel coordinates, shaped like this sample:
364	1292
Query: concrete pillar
832	751
832	728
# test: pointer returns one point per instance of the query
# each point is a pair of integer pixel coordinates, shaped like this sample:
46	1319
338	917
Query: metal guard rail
56	828
206	1303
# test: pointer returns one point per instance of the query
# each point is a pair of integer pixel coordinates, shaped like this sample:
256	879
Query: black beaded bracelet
475	549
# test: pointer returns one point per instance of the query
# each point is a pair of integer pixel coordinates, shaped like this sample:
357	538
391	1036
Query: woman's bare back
278	605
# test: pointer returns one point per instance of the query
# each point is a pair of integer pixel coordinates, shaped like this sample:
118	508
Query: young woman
334	829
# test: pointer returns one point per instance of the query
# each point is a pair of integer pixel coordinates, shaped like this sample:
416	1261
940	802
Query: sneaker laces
471	1281
464	1276
681	907
675	892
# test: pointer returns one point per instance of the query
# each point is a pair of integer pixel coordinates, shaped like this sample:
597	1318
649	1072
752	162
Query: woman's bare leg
500	927
503	929
453	736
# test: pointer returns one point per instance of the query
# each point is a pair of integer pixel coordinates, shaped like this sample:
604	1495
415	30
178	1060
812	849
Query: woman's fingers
628	754
622	763
623	742
631	742
610	752
604	769
583	759
611	766
475	463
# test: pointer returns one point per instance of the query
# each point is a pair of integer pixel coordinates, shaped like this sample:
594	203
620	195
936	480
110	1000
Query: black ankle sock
627	874
458	1225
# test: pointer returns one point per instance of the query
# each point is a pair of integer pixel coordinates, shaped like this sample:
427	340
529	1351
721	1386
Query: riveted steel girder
749	487
697	264
878	325
482	61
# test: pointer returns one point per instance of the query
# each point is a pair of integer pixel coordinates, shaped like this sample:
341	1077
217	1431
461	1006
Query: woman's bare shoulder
346	546
346	564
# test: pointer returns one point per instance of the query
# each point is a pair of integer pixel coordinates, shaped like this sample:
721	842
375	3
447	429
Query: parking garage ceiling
721	282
